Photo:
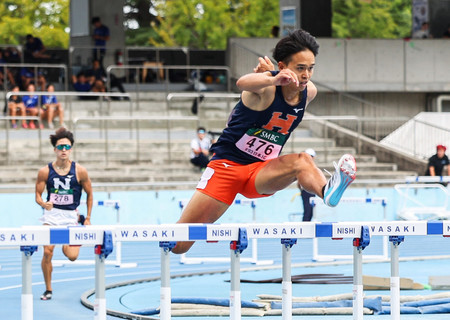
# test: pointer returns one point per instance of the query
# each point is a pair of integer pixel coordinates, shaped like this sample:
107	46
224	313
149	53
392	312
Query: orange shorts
223	179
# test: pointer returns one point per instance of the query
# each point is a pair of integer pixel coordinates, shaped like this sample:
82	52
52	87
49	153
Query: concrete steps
131	158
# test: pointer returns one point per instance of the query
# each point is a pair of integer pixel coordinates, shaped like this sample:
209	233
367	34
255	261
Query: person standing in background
307	208
437	162
100	36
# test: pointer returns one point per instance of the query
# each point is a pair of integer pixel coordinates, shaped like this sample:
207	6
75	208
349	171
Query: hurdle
29	238
115	204
315	201
254	259
167	235
414	208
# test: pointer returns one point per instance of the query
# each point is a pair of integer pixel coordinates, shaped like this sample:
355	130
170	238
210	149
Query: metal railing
137	136
100	95
166	69
36	68
427	133
419	137
319	127
6	121
204	95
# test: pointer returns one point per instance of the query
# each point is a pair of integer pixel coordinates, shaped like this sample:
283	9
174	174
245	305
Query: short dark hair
29	36
298	40
61	133
95	20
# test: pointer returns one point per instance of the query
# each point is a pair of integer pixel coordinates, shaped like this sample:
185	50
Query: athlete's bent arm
85	182
40	187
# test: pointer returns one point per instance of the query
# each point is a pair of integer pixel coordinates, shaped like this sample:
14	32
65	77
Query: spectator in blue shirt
35	50
100	36
51	108
31	103
83	83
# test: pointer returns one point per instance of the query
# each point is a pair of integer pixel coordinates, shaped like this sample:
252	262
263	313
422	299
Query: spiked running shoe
344	175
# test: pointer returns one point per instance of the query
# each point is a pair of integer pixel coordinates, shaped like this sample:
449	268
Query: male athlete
246	158
64	180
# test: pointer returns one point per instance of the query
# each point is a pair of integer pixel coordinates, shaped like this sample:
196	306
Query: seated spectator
200	149
9	78
31	103
51	108
26	77
12	55
16	107
99	73
41	81
35	50
84	83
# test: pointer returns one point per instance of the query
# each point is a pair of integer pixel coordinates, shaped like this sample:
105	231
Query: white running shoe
344	175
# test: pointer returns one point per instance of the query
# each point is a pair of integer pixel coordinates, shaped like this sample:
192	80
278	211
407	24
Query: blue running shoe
344	175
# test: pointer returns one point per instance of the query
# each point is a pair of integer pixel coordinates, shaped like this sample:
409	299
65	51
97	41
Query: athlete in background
64	180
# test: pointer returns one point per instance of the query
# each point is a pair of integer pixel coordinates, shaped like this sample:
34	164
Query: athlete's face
302	63
63	153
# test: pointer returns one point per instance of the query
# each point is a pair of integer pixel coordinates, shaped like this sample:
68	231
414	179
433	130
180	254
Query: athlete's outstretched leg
281	172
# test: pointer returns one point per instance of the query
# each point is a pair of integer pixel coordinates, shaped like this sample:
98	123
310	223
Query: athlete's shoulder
312	91
44	172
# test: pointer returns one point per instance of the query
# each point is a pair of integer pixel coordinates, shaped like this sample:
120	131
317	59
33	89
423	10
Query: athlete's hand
87	221
48	205
286	77
265	64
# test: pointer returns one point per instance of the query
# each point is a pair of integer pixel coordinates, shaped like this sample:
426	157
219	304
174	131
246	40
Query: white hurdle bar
315	201
254	259
427	179
115	204
168	235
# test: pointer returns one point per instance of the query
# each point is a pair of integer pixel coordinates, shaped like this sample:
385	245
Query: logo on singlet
58	183
277	122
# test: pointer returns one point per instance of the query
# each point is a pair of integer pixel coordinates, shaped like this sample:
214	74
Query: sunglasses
63	146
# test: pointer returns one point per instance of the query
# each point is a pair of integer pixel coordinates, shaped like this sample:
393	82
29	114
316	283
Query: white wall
360	65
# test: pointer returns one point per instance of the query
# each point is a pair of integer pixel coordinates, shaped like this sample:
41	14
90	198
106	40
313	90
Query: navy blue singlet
249	134
63	191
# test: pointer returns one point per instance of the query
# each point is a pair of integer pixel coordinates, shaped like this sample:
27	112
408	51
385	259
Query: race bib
261	143
62	197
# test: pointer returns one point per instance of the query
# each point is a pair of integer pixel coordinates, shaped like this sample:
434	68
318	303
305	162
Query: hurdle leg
101	253
395	277
286	285
27	295
165	291
235	291
357	284
100	298
359	244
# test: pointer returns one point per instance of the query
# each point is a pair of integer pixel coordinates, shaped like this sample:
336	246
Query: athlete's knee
71	252
182	247
303	161
48	254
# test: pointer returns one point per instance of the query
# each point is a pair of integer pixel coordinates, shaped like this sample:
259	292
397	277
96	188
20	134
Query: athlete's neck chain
63	168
